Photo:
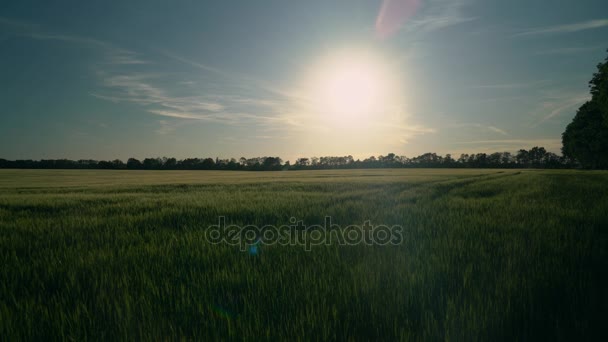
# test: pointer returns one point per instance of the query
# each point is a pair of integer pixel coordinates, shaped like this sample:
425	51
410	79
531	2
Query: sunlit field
485	255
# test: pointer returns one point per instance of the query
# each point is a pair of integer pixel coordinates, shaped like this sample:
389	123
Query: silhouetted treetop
585	139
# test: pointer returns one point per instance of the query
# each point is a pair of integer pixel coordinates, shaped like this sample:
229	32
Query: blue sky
120	79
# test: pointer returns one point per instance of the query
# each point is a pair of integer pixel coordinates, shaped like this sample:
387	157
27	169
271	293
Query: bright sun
351	89
351	86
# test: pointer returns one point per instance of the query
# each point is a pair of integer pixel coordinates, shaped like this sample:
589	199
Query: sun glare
352	87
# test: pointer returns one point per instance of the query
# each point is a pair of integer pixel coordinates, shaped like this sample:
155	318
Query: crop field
481	255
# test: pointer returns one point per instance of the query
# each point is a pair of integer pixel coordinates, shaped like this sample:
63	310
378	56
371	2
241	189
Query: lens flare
393	14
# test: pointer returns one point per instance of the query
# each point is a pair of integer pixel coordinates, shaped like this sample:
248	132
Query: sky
119	79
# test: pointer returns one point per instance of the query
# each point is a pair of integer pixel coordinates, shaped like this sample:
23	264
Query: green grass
486	255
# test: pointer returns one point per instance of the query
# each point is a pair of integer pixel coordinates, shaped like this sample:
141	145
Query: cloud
165	127
150	90
17	24
439	14
567	28
147	90
419	17
112	54
510	85
413	129
240	79
497	130
434	23
570	50
224	97
401	132
479	126
556	104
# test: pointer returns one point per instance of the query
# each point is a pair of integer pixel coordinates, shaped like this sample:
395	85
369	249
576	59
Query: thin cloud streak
434	15
138	89
567	28
113	54
497	130
482	127
554	107
510	85
240	78
440	14
569	50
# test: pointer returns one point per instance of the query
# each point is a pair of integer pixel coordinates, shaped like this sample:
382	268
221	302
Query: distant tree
463	159
537	155
86	164
427	160
169	163
272	163
302	162
133	163
233	164
207	164
506	158
388	161
118	164
152	163
105	165
189	163
448	160
494	159
552	161
522	158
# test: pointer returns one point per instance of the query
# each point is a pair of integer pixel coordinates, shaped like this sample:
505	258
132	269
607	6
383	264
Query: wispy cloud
565	28
434	23
140	88
558	103
403	132
224	97
570	50
17	24
165	127
439	14
497	130
151	90
520	85
241	79
111	53
482	127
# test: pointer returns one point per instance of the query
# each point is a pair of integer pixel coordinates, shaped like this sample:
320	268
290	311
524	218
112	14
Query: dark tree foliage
536	157
586	137
133	164
599	87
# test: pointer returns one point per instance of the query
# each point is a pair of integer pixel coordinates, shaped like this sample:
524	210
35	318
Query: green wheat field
486	255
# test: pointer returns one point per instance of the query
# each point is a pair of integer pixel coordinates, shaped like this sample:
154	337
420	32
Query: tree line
536	157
